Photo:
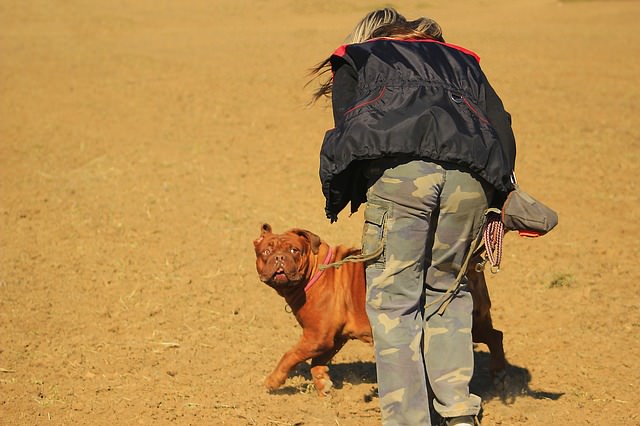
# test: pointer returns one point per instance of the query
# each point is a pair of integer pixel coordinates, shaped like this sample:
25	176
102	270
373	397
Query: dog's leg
320	369
303	351
483	332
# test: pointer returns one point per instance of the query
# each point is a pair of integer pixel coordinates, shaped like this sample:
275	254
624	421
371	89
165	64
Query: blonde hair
428	27
363	31
385	22
421	28
373	20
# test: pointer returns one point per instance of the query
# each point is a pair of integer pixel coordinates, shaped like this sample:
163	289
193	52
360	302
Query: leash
475	244
448	295
490	235
320	270
354	258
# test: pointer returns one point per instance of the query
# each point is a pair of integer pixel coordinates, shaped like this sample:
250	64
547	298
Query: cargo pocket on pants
374	233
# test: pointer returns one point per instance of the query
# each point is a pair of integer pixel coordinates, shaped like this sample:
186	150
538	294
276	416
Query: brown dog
330	304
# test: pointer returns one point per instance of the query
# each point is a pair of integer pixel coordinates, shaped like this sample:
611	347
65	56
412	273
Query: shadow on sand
354	373
508	387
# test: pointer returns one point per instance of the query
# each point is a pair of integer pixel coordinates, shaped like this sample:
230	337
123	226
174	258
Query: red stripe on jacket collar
340	51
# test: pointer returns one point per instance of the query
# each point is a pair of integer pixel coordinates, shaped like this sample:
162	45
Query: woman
424	140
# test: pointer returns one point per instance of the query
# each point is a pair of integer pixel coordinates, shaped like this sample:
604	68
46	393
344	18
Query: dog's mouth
279	276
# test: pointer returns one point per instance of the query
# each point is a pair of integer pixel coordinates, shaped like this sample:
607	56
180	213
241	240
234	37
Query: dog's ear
265	229
314	240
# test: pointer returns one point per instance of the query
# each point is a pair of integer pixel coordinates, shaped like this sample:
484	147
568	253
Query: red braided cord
493	237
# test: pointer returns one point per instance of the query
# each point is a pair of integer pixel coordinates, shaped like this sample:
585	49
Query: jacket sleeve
501	122
345	80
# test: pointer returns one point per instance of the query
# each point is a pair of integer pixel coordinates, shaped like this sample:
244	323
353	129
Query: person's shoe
460	421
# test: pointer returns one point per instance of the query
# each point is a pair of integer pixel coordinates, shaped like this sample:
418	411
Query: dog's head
282	260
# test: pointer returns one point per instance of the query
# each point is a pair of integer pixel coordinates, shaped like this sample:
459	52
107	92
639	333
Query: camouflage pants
425	215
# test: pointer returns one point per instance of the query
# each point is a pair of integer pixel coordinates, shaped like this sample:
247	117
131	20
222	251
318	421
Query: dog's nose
279	258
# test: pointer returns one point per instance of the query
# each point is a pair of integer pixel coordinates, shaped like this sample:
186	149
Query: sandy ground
143	143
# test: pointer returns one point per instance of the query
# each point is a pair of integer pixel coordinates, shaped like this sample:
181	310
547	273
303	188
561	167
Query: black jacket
411	99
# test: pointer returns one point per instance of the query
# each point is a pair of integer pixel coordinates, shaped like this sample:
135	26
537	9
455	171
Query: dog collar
319	272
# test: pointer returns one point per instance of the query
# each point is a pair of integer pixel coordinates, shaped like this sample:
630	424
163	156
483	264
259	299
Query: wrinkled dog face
281	259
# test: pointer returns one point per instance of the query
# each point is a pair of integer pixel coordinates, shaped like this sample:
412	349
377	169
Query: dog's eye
267	252
295	250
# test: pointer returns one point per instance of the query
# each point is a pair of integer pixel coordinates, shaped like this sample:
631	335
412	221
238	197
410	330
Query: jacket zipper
461	99
363	104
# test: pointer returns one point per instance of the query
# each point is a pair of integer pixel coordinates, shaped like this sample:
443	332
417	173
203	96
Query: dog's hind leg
483	332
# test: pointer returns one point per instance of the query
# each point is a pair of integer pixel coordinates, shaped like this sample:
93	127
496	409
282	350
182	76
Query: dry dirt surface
143	143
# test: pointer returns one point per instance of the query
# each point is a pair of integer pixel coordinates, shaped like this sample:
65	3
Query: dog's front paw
321	379
274	381
323	386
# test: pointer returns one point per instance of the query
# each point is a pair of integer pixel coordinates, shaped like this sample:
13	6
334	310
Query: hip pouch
523	213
